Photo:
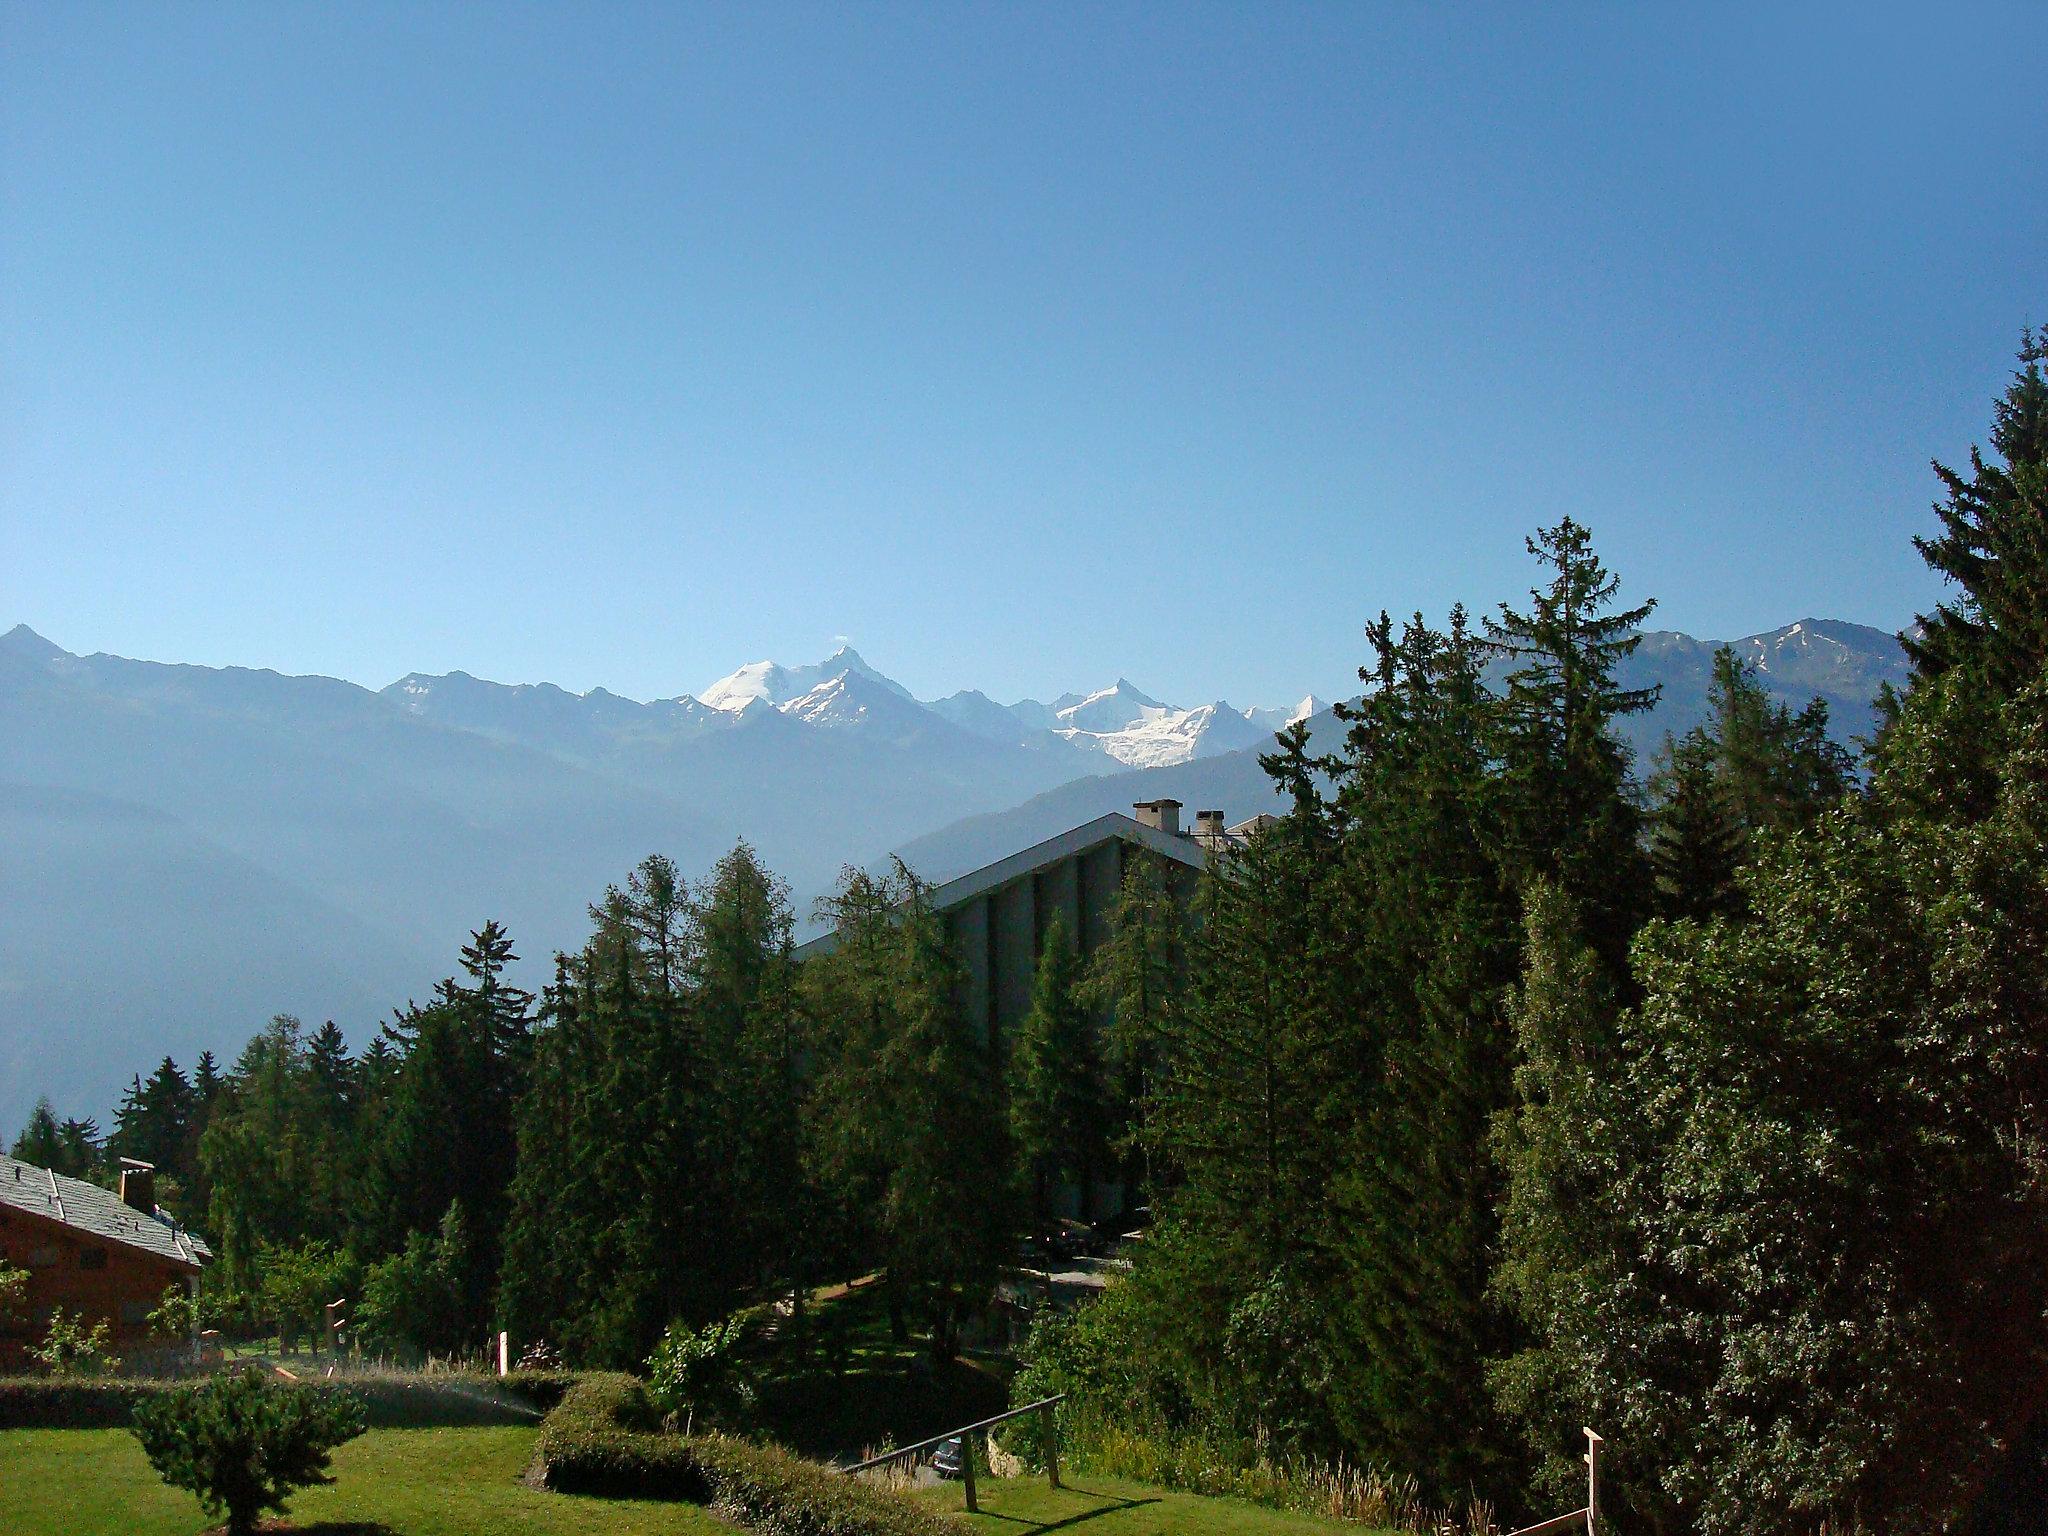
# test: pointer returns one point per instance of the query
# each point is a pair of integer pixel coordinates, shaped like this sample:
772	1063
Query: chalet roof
97	1212
1114	826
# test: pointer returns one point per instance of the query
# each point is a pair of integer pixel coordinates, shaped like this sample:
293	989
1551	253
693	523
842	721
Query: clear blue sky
1021	344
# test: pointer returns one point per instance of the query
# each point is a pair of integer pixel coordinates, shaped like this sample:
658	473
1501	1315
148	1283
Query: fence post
1049	1423
504	1353
967	1471
1593	1444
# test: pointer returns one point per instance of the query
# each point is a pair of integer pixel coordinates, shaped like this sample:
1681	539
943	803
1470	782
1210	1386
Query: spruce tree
1055	1081
41	1139
1993	543
1571	813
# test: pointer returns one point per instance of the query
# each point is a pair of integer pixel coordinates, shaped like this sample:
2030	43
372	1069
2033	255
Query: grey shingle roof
87	1208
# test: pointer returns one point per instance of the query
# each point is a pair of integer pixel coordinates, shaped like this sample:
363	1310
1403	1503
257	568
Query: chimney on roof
1209	828
1159	815
138	1185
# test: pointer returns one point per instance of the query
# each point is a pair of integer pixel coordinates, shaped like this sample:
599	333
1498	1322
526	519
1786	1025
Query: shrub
770	1491
601	1439
71	1402
390	1399
176	1317
604	1438
13	1291
243	1445
699	1374
69	1348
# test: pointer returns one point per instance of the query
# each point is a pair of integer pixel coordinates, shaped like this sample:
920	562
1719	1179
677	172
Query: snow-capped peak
1279	719
780	685
756	680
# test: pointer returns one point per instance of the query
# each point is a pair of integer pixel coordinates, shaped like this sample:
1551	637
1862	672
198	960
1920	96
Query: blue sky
1021	345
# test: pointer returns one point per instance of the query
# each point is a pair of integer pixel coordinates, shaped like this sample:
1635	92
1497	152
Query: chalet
89	1250
996	917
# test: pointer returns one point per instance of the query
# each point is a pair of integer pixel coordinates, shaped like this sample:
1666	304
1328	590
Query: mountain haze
188	850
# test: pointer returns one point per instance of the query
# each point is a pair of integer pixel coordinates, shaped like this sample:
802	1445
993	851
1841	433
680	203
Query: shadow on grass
1111	1504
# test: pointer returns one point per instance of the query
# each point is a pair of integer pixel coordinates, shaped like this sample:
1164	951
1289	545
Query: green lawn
404	1482
1109	1507
465	1482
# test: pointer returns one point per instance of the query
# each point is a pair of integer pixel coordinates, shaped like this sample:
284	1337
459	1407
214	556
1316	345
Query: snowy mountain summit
1120	722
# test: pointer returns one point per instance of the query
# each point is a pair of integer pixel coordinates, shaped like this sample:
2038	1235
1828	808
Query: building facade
90	1251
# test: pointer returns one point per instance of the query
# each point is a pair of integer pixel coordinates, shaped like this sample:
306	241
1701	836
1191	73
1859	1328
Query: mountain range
185	850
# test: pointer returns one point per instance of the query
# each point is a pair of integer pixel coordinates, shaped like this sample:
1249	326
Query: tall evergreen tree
1055	1081
41	1140
1993	544
1572	816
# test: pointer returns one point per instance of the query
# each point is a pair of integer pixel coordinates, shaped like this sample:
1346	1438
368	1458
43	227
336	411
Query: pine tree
1994	543
1571	813
1421	945
1137	978
1055	1080
41	1140
1697	838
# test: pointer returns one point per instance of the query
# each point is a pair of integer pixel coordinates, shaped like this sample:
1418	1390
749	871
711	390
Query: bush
70	1402
699	1373
69	1348
243	1445
601	1438
390	1399
604	1438
768	1490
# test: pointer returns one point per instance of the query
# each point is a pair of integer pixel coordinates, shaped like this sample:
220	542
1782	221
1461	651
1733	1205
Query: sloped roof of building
88	1209
1076	840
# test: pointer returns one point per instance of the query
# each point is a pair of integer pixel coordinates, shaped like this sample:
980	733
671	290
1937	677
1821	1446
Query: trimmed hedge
775	1493
605	1438
75	1402
391	1400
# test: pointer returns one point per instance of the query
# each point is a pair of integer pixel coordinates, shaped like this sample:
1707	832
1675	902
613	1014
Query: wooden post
967	1472
1049	1425
1593	1444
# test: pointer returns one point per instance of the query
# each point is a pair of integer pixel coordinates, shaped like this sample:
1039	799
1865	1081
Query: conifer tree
1055	1080
1566	776
41	1139
1136	980
1993	543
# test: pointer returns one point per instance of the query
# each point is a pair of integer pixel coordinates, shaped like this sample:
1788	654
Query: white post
1593	1444
504	1353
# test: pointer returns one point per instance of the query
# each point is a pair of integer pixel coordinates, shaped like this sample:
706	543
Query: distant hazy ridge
189	850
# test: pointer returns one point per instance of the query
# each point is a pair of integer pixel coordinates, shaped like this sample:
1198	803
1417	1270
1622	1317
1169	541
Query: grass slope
391	1482
1112	1507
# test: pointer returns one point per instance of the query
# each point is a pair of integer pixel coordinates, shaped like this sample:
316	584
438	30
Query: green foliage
773	1493
296	1284
175	1318
69	1348
1057	1108
243	1445
417	1299
663	1117
906	1130
13	1293
702	1372
390	1399
603	1438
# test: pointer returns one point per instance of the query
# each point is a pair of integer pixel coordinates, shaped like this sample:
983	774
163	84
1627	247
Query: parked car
947	1458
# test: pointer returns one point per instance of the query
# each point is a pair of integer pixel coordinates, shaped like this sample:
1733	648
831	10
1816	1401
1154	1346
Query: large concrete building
996	917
